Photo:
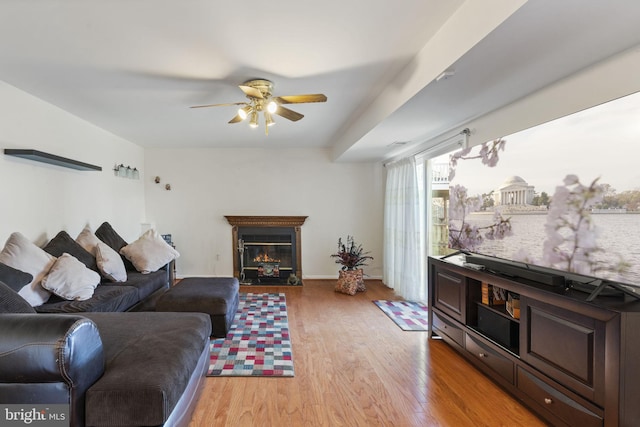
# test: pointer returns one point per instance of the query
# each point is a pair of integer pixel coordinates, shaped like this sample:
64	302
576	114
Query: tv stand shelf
571	360
500	310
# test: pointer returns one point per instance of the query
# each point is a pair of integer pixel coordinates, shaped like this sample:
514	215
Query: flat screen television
563	196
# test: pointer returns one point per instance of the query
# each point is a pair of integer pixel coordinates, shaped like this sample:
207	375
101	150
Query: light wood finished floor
355	367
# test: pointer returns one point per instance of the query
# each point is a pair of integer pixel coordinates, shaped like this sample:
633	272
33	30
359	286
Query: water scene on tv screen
564	194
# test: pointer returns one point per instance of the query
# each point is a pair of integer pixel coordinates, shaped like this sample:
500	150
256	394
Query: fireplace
266	249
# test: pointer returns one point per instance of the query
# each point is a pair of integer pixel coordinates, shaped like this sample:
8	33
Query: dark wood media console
573	362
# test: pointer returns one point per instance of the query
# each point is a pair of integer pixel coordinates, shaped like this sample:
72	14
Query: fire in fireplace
265	258
266	253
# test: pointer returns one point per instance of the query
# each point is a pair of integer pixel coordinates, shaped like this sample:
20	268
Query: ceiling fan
259	93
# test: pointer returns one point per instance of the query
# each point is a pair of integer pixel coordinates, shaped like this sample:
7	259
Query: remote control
472	265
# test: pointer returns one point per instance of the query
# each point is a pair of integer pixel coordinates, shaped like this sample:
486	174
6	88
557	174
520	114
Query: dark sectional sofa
111	360
138	293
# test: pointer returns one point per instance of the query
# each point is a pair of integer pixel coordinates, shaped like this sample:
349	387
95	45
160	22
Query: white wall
207	184
39	200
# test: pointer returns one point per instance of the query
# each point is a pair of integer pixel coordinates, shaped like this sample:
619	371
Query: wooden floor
355	367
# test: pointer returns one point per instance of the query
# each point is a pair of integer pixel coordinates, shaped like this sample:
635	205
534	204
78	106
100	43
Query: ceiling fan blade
219	105
288	114
251	91
300	99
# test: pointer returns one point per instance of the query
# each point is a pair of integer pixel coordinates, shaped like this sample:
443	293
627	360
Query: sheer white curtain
403	266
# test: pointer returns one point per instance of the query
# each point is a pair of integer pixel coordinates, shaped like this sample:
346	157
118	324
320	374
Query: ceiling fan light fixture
244	112
254	119
272	107
259	93
268	119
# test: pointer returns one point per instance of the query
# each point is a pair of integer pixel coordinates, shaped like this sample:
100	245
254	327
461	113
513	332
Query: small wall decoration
126	171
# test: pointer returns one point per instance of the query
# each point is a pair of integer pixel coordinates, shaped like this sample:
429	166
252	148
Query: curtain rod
466	132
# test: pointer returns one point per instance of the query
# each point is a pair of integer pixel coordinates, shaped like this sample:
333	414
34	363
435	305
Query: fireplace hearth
267	249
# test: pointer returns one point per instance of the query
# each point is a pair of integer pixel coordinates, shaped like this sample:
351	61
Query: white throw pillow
21	254
71	279
88	240
150	252
110	263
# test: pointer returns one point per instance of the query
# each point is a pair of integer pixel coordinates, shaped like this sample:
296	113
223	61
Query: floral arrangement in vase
351	255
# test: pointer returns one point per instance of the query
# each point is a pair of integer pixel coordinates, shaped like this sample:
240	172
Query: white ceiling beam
466	27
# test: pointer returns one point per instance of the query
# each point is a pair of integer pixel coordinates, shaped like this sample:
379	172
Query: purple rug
258	341
408	315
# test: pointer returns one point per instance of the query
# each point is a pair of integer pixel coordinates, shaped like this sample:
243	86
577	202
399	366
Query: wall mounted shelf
51	159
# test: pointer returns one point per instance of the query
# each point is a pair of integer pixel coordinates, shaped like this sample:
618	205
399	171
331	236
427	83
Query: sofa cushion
88	240
63	243
71	279
148	366
110	263
108	235
104	299
12	302
216	296
145	284
149	252
13	278
21	254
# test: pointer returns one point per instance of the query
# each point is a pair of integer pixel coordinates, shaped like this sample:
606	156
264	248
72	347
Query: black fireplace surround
268	254
267	249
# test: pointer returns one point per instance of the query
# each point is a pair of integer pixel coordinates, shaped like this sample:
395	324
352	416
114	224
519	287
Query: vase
350	281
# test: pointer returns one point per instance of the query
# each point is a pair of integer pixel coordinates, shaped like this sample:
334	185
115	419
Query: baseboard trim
311	277
335	277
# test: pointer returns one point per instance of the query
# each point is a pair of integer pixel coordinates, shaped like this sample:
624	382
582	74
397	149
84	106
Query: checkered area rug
258	341
408	315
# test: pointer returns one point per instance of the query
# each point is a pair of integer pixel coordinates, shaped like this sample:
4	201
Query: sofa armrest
49	347
49	358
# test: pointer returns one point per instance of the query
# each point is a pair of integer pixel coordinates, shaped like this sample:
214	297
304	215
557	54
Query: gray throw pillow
12	302
108	235
63	243
15	279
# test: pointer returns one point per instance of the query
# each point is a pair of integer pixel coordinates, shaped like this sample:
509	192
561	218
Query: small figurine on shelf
167	238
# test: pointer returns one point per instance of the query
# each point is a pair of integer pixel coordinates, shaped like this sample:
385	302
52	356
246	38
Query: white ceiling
133	67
